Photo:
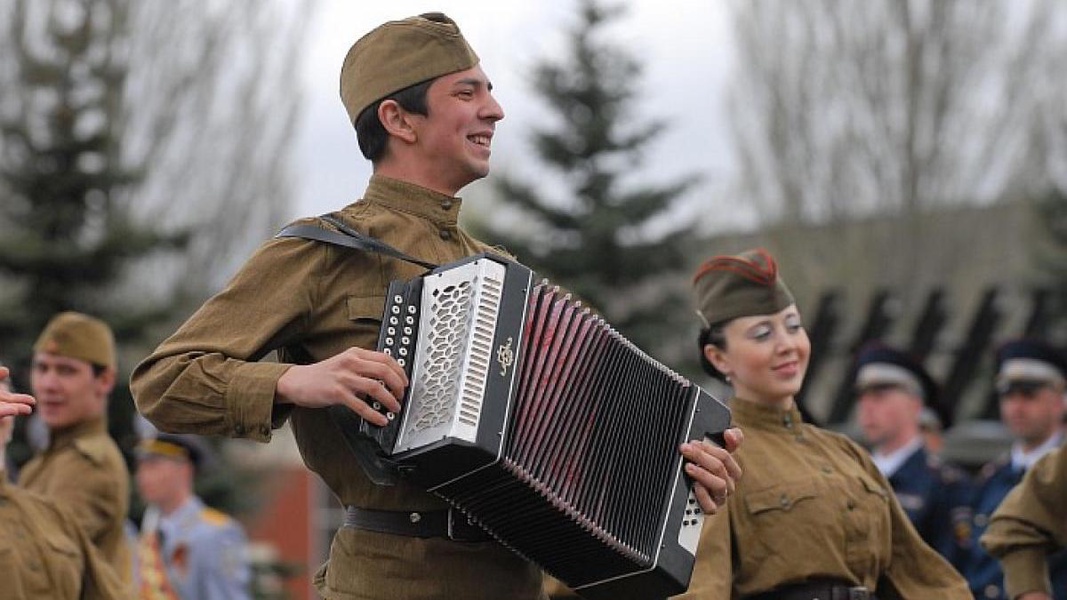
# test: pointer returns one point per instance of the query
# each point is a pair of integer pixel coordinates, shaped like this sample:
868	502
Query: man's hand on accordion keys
713	469
355	378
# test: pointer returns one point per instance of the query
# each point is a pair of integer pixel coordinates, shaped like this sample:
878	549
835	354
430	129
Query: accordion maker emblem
506	357
534	417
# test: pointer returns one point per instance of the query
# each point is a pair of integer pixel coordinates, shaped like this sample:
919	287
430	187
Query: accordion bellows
546	427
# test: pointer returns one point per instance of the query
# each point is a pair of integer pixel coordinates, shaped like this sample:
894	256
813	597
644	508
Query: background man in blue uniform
186	550
1030	384
893	389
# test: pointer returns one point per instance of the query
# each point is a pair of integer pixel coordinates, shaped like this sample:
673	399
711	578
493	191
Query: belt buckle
462	529
858	593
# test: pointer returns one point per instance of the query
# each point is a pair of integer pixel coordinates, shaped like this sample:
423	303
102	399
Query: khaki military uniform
1030	524
812	505
44	554
83	470
311	301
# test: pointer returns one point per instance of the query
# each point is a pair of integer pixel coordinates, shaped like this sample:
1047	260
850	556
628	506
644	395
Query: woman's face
766	356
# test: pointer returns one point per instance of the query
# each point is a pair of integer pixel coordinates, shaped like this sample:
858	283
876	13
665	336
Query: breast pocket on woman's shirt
779	517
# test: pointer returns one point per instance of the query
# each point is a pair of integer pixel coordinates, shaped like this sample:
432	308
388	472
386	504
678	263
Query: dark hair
715	336
371	134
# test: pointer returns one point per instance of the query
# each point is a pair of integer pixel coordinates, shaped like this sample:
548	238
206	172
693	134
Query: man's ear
105	381
397	121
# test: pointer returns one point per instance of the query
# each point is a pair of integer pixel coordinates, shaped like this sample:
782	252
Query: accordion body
534	417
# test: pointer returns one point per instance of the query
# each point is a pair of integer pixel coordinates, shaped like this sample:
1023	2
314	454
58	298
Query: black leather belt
450	524
816	591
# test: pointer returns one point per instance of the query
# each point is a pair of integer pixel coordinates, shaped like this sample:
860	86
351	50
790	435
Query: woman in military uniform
812	517
43	552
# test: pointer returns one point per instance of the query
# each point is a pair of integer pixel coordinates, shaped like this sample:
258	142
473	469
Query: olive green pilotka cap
747	284
400	54
76	335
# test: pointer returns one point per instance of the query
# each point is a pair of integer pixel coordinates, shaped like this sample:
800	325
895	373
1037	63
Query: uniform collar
890	463
1022	460
169	523
413	199
761	416
61	438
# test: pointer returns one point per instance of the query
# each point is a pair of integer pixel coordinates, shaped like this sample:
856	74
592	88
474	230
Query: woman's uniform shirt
45	554
812	506
311	301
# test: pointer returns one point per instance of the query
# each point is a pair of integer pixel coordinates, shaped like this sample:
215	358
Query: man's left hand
713	469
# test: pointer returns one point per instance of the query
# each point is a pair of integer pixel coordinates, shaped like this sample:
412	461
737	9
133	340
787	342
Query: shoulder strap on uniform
349	238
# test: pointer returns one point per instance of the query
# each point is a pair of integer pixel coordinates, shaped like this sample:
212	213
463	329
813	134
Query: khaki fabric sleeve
1029	524
207	378
99	579
915	570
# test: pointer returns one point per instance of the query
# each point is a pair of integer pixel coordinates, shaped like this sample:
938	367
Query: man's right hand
11	403
354	378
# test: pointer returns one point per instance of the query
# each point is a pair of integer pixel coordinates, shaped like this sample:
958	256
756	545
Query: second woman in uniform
813	517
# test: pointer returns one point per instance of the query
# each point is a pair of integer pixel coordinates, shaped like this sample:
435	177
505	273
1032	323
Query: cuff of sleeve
250	399
1025	570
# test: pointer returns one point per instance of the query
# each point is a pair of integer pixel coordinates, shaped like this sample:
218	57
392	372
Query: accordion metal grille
449	324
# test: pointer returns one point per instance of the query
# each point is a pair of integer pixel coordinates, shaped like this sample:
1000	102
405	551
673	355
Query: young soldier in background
43	551
72	376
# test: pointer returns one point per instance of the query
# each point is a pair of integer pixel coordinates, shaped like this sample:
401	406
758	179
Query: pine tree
142	146
66	239
597	238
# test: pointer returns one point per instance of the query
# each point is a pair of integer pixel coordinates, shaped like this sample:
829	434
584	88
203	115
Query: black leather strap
450	524
349	238
816	591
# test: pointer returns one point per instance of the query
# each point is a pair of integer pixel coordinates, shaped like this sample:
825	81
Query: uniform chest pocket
876	490
364	320
62	546
367	309
777	521
784	497
65	563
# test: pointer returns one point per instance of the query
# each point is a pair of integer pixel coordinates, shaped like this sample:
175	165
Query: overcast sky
683	44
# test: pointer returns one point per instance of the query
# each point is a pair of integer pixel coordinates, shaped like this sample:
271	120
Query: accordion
546	427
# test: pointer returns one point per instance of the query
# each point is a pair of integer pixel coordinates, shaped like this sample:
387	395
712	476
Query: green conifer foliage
602	232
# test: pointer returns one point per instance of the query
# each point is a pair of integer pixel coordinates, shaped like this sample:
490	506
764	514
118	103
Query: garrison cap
400	54
747	284
879	365
176	446
1029	360
76	335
